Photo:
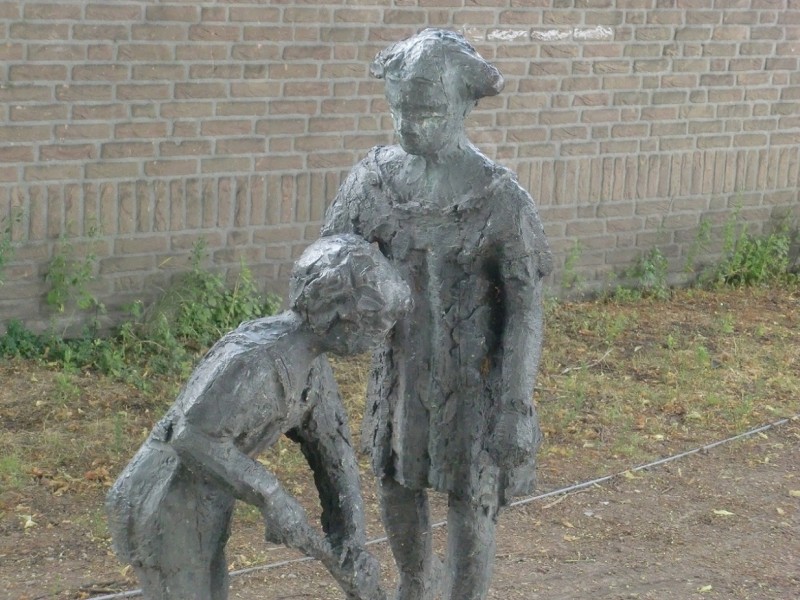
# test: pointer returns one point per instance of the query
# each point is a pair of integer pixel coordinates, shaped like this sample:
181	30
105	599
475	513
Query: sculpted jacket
450	397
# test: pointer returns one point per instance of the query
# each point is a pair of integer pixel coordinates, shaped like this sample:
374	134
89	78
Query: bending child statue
450	399
170	509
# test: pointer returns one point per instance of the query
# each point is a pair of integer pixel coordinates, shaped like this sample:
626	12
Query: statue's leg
182	554
406	517
220	579
471	530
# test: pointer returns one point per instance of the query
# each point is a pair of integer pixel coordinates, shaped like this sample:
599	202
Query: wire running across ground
559	492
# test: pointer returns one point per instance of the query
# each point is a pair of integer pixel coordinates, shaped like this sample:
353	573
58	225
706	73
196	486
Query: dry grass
619	384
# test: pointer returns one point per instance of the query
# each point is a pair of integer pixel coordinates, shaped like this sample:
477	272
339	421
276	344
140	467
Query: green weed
570	279
12	470
163	339
69	277
6	245
649	274
755	260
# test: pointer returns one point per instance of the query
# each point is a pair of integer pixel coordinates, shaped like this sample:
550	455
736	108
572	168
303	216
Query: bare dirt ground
722	524
718	525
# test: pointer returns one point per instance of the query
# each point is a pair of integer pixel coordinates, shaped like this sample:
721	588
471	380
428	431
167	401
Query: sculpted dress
450	398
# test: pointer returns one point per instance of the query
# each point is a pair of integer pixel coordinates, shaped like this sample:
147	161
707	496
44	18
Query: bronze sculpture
450	399
169	511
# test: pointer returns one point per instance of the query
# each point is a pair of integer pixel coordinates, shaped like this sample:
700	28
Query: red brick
222	71
293	71
14	134
187	110
154	32
240	146
215	33
126	264
127	149
50	52
189	14
253	14
145	52
52	173
306	15
279	163
44	112
194	52
320	52
238	109
37	72
84	93
98	112
188	91
100	32
16	153
113	12
140	245
226	165
144	91
69	152
146	130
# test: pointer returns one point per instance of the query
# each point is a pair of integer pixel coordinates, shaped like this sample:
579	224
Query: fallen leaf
29	522
705	588
571	538
96	474
724	513
629	475
794	493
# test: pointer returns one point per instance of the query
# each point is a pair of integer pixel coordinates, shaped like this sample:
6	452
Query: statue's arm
344	213
325	442
208	454
525	261
324	438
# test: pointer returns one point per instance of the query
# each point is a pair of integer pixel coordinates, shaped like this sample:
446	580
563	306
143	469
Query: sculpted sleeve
525	260
346	212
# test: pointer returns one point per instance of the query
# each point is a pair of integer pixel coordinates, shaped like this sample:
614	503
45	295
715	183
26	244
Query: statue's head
433	79
348	292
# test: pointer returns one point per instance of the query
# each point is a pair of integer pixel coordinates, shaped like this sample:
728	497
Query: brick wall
136	127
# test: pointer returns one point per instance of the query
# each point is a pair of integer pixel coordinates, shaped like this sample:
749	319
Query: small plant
19	341
119	437
66	388
755	260
698	246
12	471
6	240
69	277
652	272
164	339
570	280
647	277
201	307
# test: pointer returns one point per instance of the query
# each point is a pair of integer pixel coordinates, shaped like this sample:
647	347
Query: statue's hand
365	583
512	441
286	523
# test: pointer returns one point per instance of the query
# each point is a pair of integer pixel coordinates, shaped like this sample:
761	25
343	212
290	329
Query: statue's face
425	120
349	337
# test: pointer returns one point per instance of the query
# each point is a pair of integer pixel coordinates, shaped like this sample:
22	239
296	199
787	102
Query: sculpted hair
440	55
341	277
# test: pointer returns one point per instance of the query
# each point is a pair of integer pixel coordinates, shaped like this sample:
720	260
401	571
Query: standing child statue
170	509
450	399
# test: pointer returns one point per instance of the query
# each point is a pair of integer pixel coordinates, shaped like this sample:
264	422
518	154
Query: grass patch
619	383
640	381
